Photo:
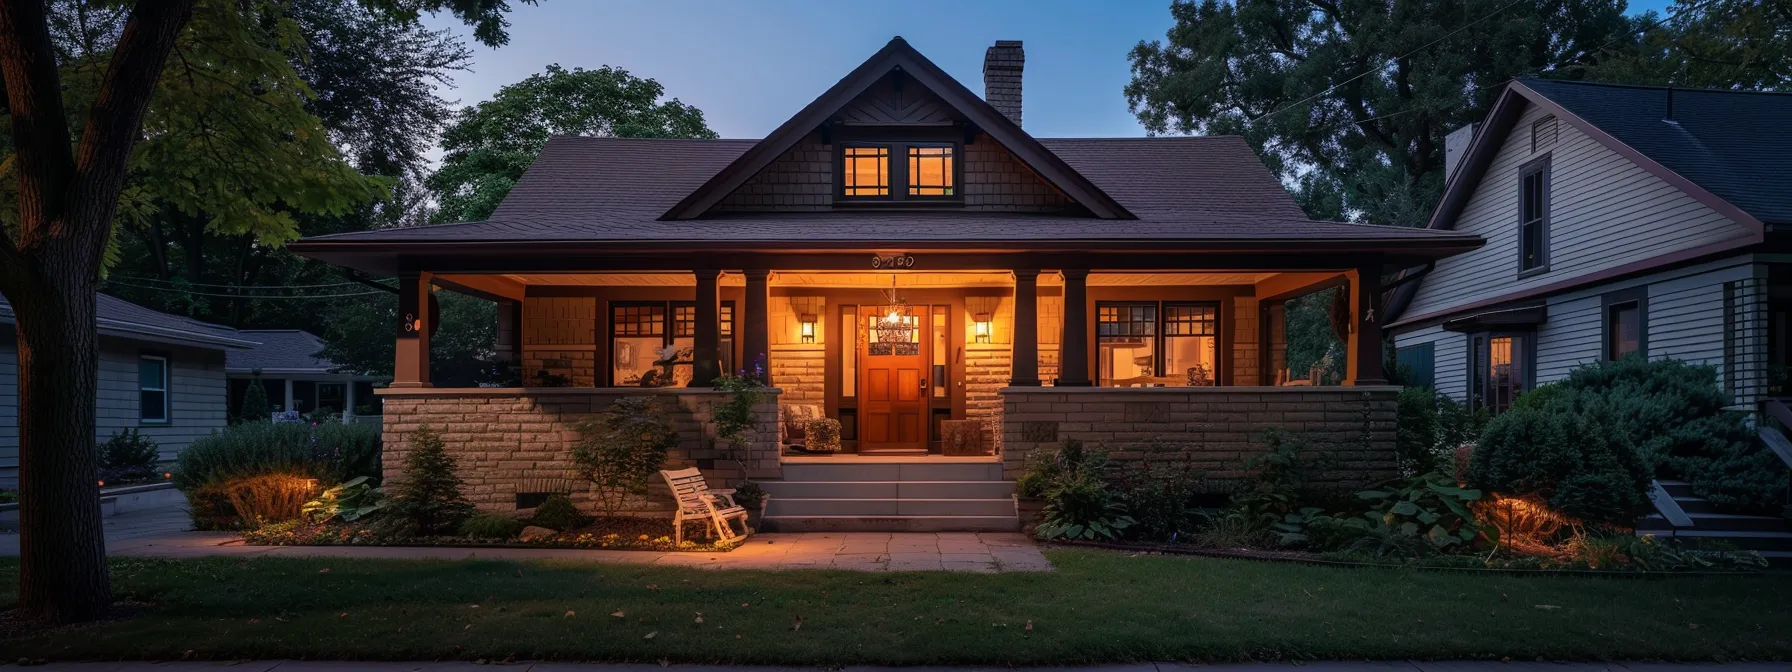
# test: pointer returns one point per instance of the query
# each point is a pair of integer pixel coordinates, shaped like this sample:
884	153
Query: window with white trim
152	388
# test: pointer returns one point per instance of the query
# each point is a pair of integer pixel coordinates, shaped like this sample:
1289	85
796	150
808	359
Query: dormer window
923	172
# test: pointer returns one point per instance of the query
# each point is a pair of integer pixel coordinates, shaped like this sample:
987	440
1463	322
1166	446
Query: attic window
1543	133
921	172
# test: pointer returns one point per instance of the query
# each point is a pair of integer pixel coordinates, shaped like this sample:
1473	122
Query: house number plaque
897	261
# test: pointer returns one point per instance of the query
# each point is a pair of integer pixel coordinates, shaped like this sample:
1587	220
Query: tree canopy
1350	100
1722	44
490	144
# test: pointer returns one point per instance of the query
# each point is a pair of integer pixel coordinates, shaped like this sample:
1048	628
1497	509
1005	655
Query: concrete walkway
163	533
1316	666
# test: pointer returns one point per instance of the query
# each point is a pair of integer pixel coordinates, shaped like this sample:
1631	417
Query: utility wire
244	296
138	278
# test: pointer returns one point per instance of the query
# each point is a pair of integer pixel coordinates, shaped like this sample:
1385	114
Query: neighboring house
908	261
160	373
1619	220
295	378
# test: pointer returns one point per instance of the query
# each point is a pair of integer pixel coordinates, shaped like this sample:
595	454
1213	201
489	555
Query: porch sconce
982	322
808	325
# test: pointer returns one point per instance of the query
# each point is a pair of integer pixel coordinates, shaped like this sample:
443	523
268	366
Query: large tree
1349	100
490	144
1721	44
72	148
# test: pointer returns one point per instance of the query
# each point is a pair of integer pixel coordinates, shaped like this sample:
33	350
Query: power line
244	296
139	278
1365	73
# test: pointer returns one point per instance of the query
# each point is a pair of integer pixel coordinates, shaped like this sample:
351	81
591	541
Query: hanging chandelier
897	325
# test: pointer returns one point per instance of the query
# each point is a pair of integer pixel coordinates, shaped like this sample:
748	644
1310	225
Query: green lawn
1099	607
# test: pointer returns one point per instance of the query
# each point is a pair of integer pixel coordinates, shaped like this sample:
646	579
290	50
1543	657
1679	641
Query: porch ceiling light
982	322
807	320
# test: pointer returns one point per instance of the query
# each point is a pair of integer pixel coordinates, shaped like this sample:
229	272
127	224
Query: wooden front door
893	382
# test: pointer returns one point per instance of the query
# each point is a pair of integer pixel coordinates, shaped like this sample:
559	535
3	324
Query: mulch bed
621	533
1315	559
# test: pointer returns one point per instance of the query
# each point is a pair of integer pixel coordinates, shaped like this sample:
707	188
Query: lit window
1191	343
930	171
866	171
638	332
152	388
1126	344
1501	370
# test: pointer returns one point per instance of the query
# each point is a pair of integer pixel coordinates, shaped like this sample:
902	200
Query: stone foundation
510	440
1214	429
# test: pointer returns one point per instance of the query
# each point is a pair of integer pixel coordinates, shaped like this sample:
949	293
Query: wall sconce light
982	324
808	325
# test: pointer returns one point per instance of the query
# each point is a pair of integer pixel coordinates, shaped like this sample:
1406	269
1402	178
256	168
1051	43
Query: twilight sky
751	64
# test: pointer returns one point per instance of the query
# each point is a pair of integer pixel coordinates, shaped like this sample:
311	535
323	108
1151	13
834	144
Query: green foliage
558	513
329	453
622	449
1431	506
1311	340
1432	426
1278	479
735	417
129	457
750	495
490	144
1576	462
429	501
1722	44
1160	496
1373	145
1665	416
255	406
491	526
1078	502
358	338
352	500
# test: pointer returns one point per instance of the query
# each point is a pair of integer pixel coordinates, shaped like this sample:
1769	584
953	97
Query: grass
1098	607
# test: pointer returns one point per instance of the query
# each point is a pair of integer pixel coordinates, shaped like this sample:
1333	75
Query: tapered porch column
1024	371
706	344
1073	352
756	343
1364	366
411	366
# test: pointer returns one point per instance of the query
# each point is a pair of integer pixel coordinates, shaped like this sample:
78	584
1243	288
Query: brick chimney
1002	66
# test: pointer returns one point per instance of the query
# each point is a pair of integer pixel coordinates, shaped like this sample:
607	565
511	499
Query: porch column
411	368
1364	365
706	357
1073	346
757	341
1025	367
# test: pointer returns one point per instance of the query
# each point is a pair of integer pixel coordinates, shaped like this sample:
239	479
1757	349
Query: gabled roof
121	318
279	351
1727	149
898	55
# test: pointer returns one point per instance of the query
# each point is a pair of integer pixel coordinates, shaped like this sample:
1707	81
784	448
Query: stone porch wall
505	438
1215	429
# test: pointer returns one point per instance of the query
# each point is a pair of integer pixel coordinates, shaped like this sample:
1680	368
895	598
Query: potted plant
752	498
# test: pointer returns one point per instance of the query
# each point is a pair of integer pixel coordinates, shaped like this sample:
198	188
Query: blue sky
750	64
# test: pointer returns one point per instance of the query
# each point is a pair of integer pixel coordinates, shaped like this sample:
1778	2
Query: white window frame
167	405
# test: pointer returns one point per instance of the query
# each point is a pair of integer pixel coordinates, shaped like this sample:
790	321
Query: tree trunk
62	564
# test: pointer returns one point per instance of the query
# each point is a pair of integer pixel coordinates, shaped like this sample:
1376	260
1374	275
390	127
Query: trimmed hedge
329	453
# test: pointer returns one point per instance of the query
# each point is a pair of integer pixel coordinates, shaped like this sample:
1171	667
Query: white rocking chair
697	502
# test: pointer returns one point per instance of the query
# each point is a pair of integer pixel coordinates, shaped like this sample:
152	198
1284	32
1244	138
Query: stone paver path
163	533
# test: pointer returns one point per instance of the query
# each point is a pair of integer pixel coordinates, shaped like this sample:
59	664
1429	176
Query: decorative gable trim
898	55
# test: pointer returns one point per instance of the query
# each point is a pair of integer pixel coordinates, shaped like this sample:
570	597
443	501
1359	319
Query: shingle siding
197	394
1605	211
802	179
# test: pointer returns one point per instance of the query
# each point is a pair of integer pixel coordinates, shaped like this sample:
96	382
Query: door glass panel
849	351
941	351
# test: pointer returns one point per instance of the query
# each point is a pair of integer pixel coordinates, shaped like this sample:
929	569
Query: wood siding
197	398
1449	364
1605	211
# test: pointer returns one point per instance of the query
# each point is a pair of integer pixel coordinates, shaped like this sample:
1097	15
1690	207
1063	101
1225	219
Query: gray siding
1570	338
197	398
1449	366
1605	211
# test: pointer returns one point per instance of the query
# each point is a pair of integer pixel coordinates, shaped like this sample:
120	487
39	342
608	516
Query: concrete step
893	471
1693	505
1729	522
1778	559
889	507
1754	541
1678	489
889	489
1007	523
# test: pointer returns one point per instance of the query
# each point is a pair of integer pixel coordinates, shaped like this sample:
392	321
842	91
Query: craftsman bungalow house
904	258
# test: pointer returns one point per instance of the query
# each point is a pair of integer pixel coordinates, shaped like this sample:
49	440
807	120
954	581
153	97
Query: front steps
1770	536
901	495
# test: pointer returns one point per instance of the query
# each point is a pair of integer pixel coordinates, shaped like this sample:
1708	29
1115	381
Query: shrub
255	406
559	513
736	416
1577	463
1278	479
1431	427
749	495
1430	506
622	449
353	449
129	457
329	453
269	498
1160	496
491	526
350	501
1078	502
429	500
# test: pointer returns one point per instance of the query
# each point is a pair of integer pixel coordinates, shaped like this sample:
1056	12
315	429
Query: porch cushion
792	420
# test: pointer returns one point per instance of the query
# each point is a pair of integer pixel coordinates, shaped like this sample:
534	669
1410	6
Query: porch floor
889	459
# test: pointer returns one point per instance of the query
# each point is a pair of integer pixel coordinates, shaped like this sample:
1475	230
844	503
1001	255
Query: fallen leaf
798	625
342	615
469	627
253	621
651	635
569	613
1694	626
652	587
618	613
325	570
1547	607
472	606
746	604
1029	626
699	617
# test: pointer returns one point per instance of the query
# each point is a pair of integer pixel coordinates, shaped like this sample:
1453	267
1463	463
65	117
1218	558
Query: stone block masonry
1214	429
507	439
